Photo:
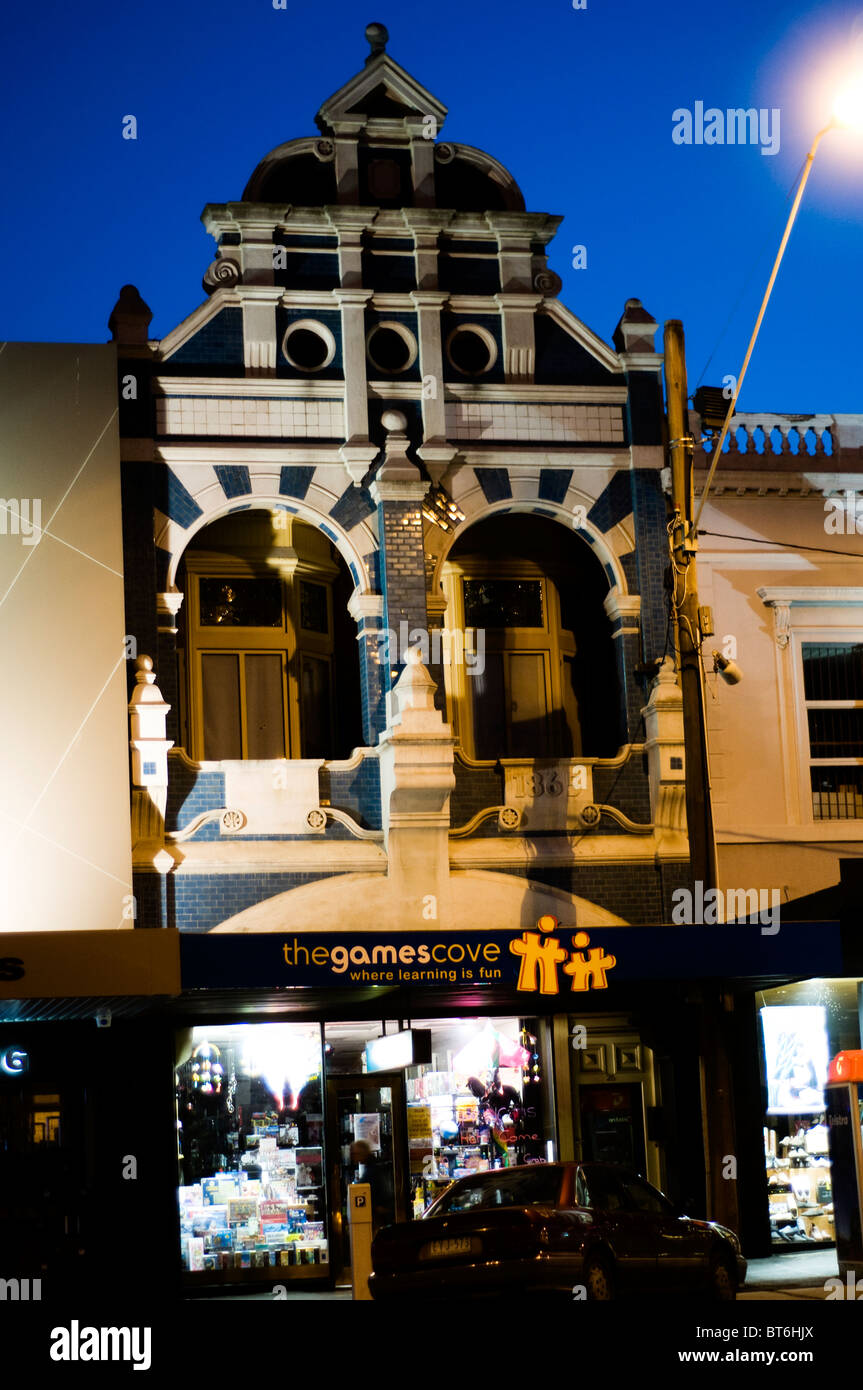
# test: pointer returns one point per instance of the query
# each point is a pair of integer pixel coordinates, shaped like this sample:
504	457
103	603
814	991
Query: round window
309	346
391	347
471	350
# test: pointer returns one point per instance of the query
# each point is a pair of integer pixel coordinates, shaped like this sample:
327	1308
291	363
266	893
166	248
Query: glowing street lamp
847	112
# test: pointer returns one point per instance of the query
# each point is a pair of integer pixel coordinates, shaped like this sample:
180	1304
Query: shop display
799	1184
253	1195
473	1116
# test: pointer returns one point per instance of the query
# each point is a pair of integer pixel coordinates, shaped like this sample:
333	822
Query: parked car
586	1230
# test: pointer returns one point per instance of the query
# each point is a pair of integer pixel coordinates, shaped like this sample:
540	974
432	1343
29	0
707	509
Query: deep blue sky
576	103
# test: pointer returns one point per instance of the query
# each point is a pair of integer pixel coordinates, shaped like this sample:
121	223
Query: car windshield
535	1184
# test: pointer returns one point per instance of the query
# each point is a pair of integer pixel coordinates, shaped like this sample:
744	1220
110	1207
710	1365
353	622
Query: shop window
802	1025
252	1193
833	692
477	1106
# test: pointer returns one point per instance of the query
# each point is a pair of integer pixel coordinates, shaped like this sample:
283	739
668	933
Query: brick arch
478	509
352	528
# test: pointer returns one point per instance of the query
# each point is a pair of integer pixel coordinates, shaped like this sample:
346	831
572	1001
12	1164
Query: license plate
455	1245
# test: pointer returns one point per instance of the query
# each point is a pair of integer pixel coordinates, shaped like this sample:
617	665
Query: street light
848	113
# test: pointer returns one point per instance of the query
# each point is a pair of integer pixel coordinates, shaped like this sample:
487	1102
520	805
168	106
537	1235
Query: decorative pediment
383	93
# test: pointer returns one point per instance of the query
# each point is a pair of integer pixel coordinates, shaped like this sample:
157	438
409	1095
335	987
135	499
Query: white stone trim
229	387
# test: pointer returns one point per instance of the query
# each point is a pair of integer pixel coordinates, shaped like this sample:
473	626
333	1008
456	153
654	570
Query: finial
144	673
394	421
377	36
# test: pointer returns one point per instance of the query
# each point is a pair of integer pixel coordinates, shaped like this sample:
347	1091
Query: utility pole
699	816
714	1019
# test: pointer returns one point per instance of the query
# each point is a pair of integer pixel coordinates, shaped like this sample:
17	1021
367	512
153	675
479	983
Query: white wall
762	810
65	859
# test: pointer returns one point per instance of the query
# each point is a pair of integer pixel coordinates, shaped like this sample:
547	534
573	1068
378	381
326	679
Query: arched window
266	642
540	678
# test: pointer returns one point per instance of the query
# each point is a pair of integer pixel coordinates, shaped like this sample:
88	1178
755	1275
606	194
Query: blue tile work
613	503
494	483
220	340
635	892
372	688
634	691
475	789
553	483
199	902
295	480
234	479
353	506
151	900
626	787
357	791
163	560
189	793
172	498
560	360
651	556
306	272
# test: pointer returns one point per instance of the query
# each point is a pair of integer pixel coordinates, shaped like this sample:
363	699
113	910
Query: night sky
576	103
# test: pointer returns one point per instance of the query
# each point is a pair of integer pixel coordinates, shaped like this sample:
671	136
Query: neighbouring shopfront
803	1025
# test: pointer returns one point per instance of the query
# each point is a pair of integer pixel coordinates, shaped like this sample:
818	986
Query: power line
787	545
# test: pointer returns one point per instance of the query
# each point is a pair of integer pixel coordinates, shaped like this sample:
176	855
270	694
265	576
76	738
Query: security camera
103	1019
728	670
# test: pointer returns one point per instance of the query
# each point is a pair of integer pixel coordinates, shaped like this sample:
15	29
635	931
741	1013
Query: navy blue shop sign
550	959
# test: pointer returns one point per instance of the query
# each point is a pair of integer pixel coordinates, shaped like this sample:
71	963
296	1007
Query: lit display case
252	1196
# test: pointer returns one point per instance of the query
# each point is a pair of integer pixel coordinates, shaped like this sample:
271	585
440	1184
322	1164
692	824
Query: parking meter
360	1217
844	1116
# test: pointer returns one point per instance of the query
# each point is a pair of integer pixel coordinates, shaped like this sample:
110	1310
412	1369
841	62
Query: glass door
366	1119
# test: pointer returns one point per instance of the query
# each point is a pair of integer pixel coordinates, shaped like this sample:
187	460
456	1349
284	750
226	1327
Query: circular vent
471	350
309	346
391	348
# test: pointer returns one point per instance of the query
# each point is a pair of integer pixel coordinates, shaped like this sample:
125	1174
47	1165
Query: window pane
837	793
836	733
313	607
265	722
503	603
241	602
316	707
528	706
601	1189
640	1196
220	674
833	672
489	720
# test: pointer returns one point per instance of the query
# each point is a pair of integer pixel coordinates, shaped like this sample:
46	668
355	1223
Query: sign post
360	1217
